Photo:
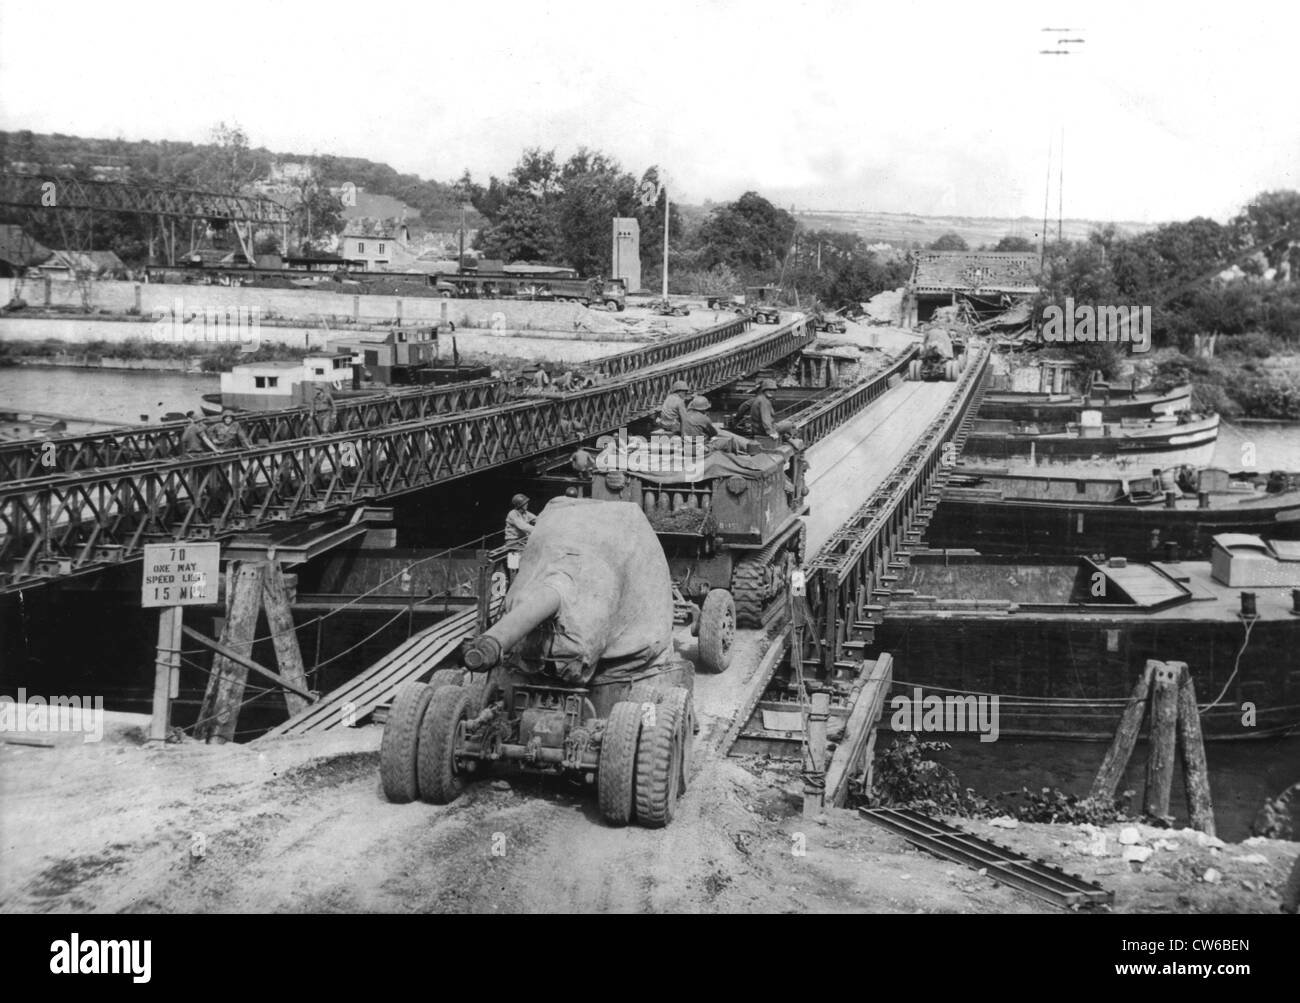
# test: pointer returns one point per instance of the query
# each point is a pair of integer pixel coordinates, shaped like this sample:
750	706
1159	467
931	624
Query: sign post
176	575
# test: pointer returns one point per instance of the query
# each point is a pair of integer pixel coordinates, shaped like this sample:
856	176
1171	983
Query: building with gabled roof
19	250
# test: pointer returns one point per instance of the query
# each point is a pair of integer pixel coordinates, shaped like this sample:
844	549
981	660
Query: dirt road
300	825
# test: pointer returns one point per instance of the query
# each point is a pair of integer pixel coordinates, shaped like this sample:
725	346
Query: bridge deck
849	464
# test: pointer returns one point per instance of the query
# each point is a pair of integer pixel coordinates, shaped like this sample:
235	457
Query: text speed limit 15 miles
180	574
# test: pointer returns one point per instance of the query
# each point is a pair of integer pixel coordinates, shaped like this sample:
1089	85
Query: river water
114	396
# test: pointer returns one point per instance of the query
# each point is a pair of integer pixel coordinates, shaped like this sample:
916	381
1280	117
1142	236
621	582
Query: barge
1184	439
1061	643
1171	513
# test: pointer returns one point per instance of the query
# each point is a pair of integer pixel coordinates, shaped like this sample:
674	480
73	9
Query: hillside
905	230
433	203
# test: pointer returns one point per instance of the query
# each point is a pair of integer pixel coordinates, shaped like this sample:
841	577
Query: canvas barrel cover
609	569
937	344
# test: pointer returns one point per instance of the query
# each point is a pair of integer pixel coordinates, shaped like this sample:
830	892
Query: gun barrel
485	651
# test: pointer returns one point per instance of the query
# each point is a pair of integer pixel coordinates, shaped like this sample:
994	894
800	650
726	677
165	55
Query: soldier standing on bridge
193	438
229	434
322	410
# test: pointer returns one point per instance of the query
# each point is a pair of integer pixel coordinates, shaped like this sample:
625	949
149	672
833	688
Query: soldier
322	410
756	416
193	438
519	526
696	423
229	434
673	412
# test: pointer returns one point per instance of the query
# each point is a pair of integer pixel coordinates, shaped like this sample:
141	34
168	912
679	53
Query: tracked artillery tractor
940	358
578	676
730	524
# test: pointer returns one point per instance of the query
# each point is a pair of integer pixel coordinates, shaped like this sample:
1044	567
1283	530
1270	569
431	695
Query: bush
906	778
1255	345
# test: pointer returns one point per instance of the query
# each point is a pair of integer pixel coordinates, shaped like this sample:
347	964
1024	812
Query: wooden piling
1117	756
279	616
1196	774
219	712
1164	722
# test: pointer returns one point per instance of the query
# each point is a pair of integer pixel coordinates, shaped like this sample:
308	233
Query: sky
1164	112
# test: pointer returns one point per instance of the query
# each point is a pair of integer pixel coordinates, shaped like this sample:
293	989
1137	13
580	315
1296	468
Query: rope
1245	640
1057	701
356	599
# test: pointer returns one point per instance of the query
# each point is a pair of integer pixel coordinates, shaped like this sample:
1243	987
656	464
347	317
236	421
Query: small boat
18	426
1114	403
1175	511
1184	439
269	386
1061	642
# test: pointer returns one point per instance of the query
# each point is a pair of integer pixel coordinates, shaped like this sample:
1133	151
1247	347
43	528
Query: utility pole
1060	192
664	189
460	261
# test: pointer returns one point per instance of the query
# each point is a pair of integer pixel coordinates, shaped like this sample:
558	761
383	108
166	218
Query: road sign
180	574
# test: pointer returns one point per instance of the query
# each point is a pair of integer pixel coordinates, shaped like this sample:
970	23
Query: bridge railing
828	413
69	523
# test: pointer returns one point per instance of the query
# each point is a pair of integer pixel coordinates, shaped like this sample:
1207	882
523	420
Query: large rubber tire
398	749
717	630
680	698
616	775
440	781
659	766
446	677
914	370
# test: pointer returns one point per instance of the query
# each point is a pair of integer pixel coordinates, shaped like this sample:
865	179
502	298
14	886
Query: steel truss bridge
35	195
117	447
97	514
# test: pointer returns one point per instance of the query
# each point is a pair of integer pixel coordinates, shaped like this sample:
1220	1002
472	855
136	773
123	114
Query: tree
523	232
1272	218
950	242
750	233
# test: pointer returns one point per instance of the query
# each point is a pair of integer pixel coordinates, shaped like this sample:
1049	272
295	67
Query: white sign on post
180	574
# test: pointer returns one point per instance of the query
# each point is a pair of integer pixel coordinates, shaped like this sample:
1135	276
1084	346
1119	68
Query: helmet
767	384
518	500
699	403
681	385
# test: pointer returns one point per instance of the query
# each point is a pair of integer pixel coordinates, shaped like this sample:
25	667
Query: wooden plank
244	662
877	677
410	660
